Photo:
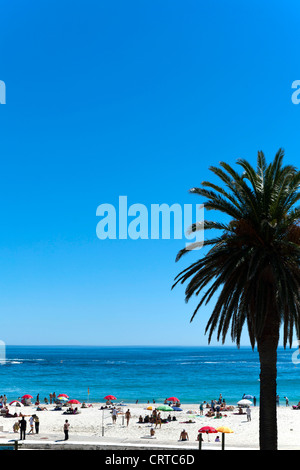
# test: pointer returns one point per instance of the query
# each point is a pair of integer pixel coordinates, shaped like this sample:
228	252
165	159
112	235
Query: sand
91	423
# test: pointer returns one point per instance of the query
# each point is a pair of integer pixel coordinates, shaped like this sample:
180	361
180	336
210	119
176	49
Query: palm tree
252	266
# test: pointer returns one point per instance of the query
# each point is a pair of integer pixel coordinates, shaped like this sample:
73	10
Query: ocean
192	374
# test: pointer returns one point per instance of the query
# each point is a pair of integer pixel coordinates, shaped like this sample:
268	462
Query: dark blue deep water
192	374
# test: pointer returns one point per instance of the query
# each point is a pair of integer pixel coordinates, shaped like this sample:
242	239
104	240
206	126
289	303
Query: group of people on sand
115	411
21	425
34	423
155	418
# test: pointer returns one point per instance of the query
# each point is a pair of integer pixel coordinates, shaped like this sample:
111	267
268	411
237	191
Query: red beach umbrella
173	399
110	397
62	395
27	396
208	429
74	402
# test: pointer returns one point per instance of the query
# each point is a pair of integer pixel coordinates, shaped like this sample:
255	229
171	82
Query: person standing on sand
114	415
23	425
248	411
158	420
37	424
66	429
127	416
31	421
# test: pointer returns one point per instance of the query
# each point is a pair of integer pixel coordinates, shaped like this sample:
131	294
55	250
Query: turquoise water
192	374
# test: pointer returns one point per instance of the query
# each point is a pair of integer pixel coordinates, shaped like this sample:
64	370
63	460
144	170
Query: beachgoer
31	422
286	401
158	420
23	425
127	416
184	436
16	426
248	411
152	432
114	415
217	439
37	424
66	429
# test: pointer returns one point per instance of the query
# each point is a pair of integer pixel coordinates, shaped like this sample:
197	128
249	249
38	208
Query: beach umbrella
207	430
176	408
74	402
27	396
15	403
173	399
244	402
164	408
110	397
224	430
249	397
62	398
63	395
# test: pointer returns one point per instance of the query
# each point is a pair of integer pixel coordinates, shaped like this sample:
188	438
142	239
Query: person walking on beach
31	421
286	401
23	425
66	429
127	416
248	411
114	415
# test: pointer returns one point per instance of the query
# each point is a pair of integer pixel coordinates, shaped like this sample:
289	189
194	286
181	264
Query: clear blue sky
136	98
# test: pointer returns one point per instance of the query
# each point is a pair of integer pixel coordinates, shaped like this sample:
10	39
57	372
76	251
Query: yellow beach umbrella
224	430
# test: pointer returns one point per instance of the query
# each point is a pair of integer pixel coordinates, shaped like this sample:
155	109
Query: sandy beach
95	425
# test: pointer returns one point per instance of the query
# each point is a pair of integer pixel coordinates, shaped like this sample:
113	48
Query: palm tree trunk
267	349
